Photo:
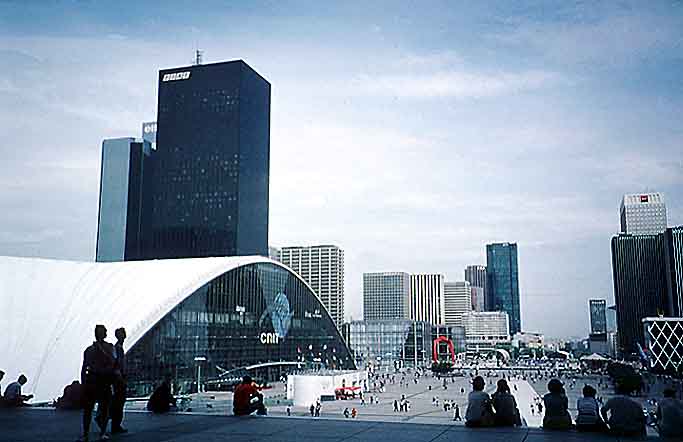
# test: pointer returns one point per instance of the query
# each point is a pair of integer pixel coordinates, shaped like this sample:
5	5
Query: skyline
409	136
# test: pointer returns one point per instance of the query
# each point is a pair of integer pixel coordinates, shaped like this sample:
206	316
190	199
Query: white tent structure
49	308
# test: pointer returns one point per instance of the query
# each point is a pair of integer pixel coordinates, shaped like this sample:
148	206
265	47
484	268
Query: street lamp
199	359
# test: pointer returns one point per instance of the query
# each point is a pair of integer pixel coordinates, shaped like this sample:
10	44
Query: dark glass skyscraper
503	282
640	290
673	258
207	193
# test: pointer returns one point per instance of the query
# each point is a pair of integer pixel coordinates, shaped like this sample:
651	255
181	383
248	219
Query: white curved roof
49	308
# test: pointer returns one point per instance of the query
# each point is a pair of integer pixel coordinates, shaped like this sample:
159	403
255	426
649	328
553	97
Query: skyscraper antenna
198	57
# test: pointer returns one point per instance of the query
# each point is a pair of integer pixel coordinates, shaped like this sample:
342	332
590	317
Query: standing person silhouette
119	399
97	375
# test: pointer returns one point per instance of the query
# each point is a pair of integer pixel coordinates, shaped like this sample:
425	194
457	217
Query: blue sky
409	133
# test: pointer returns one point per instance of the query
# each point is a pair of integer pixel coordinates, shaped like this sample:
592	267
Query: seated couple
500	410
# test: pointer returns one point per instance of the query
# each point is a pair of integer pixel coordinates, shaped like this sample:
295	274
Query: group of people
13	396
620	415
483	410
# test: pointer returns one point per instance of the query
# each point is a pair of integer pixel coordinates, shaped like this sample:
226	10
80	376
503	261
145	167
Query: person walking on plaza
588	418
507	413
311	409
119	398
395	406
318	407
13	396
97	374
354	412
624	415
456	413
248	399
556	407
479	407
670	416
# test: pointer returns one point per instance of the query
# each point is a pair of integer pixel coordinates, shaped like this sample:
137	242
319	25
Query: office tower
640	291
502	282
386	295
673	260
643	214
486	328
478	299
123	166
208	190
476	276
457	301
426	298
611	319
598	315
322	267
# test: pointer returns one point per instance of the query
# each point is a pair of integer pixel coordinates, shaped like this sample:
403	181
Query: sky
411	134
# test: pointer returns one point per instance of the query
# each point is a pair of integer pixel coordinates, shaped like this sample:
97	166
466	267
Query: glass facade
256	314
390	344
598	315
503	282
208	184
119	228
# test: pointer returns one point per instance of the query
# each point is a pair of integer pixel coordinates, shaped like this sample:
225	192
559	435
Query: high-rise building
476	276
486	328
426	298
457	301
673	260
119	226
598	315
640	291
503	282
208	187
274	253
643	214
322	267
386	295
478	299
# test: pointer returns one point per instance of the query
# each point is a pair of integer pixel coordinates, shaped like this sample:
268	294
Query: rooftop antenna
198	57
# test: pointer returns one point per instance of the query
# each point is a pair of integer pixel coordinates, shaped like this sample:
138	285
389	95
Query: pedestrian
97	374
456	413
346	412
119	397
507	413
624	415
588	417
13	396
556	404
354	412
670	415
312	410
318	407
162	399
479	407
395	406
289	411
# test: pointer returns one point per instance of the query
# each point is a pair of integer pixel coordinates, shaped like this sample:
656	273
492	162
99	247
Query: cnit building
182	250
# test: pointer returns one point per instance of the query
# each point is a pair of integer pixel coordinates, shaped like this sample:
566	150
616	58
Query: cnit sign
269	338
176	76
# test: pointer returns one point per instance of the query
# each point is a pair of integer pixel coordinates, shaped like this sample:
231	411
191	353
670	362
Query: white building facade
427	298
478	299
457	302
322	267
643	214
486	328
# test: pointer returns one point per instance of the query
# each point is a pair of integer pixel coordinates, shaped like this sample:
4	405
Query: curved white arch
48	308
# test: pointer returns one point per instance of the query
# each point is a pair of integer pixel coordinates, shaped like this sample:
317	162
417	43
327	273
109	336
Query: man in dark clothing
97	374
247	399
162	399
71	398
119	399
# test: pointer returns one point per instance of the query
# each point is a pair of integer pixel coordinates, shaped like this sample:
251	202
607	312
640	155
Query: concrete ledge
29	425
